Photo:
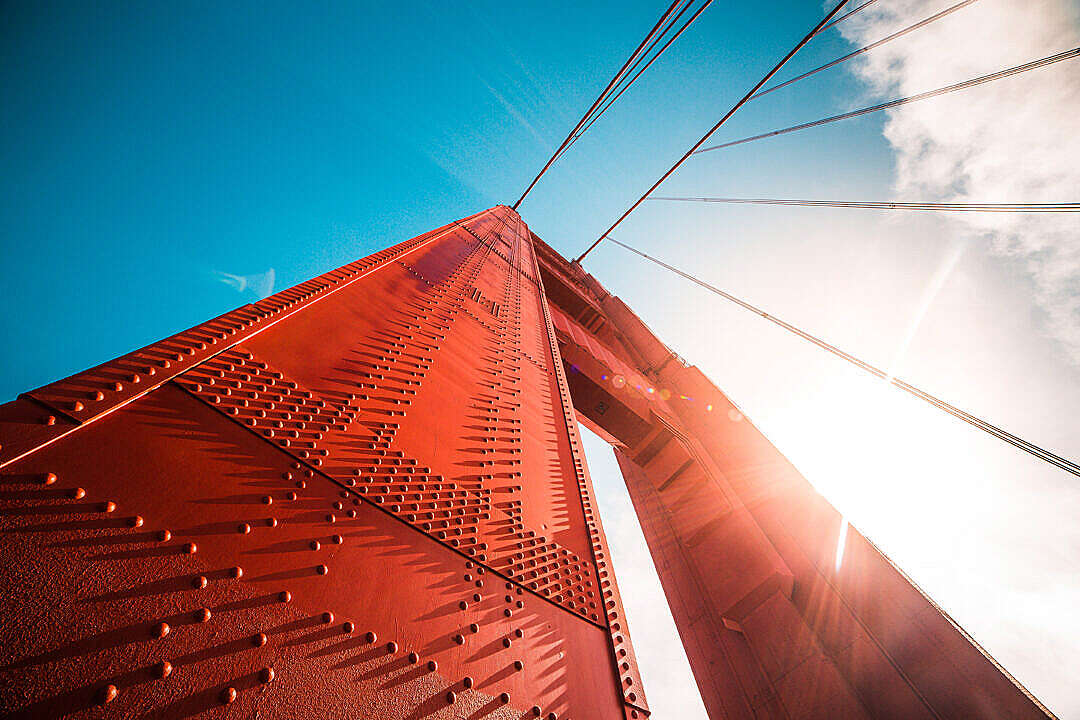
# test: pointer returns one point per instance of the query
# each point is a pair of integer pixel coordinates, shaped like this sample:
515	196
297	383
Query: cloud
1013	140
262	284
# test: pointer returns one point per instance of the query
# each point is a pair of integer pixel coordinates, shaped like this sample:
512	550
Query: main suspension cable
1018	442
873	205
867	48
1042	62
599	99
714	128
616	96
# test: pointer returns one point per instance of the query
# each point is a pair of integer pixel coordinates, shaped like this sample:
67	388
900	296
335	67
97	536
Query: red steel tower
366	497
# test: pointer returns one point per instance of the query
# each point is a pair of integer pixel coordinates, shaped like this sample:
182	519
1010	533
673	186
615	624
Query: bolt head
107	694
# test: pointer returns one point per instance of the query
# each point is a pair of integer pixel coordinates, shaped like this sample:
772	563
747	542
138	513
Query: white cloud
1013	140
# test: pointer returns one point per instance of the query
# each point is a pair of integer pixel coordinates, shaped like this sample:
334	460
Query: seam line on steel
561	383
83	423
365	501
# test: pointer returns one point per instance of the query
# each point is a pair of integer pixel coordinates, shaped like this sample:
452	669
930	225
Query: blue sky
154	154
146	148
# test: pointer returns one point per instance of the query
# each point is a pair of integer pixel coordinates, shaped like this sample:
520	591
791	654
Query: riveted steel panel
174	535
366	498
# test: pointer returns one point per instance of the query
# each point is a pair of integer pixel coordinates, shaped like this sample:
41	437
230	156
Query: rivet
328	617
202	615
228	696
77	493
107	694
50	420
267	500
432	666
199	582
414	658
347	627
108	506
391	647
474	628
504	698
48	479
266	675
338	539
163	669
77	405
370	637
536	711
467	682
322	569
314	544
136	521
162	629
285	596
272	522
244	528
236	571
259	640
191	548
451	696
164	535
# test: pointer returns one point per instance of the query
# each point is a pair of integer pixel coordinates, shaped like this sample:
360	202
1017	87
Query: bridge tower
366	497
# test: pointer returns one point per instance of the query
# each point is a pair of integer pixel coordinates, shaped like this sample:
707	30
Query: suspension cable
1066	55
599	99
846	15
867	48
1018	442
873	205
660	52
714	128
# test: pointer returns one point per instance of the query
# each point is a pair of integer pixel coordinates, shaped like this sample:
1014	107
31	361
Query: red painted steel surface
746	549
366	497
366	500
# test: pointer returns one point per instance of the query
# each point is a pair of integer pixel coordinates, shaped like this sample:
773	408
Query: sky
163	164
